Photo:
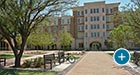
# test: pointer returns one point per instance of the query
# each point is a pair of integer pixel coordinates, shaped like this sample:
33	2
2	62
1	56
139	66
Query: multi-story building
90	25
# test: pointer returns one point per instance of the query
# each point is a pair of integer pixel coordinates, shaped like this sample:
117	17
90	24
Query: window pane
103	10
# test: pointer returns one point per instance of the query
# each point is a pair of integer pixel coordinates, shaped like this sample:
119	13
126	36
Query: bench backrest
136	54
49	57
61	54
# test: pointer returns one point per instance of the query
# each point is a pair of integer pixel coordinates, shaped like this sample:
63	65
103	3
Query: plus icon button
121	56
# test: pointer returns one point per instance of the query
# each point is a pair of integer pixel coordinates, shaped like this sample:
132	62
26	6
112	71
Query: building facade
90	25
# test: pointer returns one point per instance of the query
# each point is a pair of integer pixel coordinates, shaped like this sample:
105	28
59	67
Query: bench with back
136	58
49	59
3	60
61	57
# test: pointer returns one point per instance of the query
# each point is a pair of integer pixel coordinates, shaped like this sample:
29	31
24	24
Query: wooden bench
61	57
3	60
49	59
136	58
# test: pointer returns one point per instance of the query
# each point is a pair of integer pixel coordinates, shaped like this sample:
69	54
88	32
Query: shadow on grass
8	72
25	72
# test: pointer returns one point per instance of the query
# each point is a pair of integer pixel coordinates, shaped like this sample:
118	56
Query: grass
113	53
8	56
25	72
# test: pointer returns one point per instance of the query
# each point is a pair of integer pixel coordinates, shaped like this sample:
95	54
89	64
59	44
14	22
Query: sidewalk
94	63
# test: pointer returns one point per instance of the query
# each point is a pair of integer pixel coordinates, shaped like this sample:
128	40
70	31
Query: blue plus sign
121	56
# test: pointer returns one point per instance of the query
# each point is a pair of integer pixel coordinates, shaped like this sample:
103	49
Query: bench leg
51	65
4	62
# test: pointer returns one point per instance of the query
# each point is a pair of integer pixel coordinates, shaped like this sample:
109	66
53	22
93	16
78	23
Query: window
91	26
103	26
78	13
98	26
94	34
98	18
86	19
86	27
94	10
68	21
82	12
91	18
107	18
94	26
107	26
94	18
98	34
111	11
97	10
103	34
103	10
79	20
86	34
103	18
78	28
91	11
86	11
82	27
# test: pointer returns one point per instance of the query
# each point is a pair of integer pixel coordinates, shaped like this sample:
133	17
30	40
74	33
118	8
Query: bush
33	63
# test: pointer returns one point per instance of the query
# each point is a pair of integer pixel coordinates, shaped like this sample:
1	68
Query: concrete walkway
94	63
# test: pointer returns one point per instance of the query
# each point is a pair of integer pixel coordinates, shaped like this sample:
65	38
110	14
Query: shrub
33	63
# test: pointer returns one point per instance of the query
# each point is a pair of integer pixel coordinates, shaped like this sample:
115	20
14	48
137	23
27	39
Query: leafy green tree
21	17
65	39
40	39
131	15
122	35
109	44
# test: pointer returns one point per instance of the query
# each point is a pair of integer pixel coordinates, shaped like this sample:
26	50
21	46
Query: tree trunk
17	61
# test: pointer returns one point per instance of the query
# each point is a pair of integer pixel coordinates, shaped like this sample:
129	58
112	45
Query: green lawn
25	72
8	56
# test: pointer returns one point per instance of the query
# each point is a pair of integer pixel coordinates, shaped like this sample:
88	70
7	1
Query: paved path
94	63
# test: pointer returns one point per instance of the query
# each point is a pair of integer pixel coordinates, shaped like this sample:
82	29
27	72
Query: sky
122	3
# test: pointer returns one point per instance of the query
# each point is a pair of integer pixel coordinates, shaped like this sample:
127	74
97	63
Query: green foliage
26	72
22	17
40	39
65	38
9	56
33	63
131	15
122	35
109	44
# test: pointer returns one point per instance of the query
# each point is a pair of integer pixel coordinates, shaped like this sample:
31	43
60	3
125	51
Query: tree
108	44
131	15
65	39
122	35
40	39
21	17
